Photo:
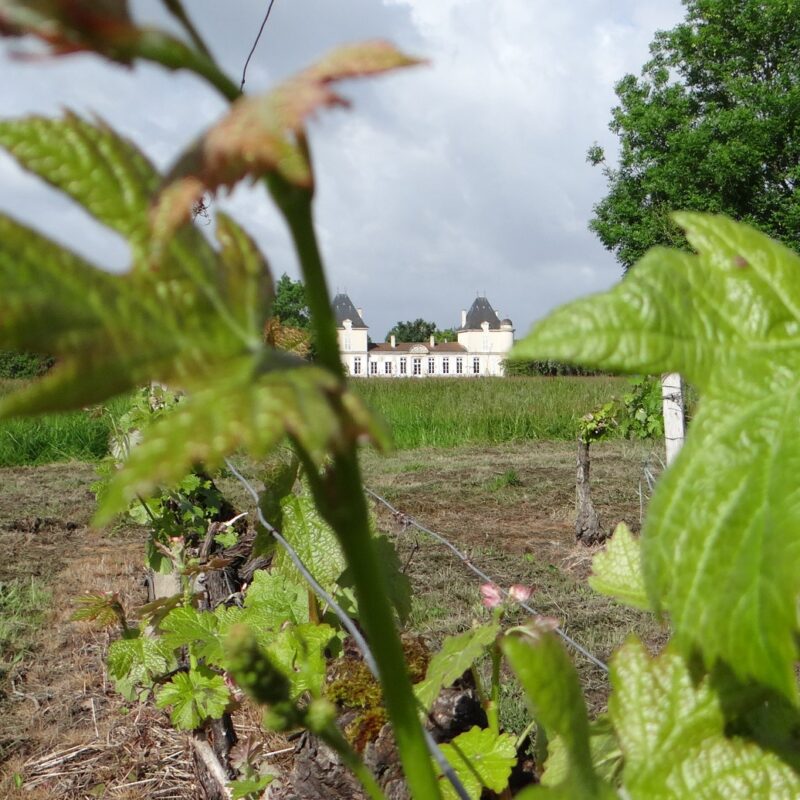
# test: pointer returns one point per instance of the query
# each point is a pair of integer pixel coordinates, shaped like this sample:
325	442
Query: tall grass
447	412
80	435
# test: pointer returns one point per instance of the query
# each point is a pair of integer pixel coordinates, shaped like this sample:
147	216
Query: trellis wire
347	622
410	521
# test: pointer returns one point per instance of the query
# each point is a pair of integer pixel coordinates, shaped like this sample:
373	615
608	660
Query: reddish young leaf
265	134
70	26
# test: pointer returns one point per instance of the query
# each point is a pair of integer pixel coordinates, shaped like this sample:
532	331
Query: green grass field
80	435
421	413
451	412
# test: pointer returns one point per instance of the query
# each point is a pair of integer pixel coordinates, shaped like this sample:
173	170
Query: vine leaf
239	409
314	541
457	654
102	608
264	134
299	652
617	570
273	600
671	732
138	659
720	544
481	759
70	26
197	630
246	788
606	755
195	323
195	696
553	692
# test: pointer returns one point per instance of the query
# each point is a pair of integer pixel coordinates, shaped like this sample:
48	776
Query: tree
712	124
291	305
417	331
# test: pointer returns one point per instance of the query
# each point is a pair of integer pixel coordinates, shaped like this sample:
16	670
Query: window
356	366
416	366
387	367
459	366
347	343
445	366
431	366
476	366
403	366
373	367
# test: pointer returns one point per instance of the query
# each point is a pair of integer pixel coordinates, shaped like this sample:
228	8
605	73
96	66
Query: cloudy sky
465	176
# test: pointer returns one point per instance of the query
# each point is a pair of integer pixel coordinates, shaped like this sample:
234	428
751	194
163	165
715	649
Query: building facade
484	341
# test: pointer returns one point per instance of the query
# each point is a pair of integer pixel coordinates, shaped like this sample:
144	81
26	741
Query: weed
22	605
507	480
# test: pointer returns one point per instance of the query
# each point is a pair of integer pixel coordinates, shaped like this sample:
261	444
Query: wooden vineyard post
672	405
587	525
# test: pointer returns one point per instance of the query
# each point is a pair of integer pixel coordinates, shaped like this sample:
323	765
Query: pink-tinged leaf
520	593
491	597
265	134
357	60
71	26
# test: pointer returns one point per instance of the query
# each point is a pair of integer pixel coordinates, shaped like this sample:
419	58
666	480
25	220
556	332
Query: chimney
393	341
433	341
360	312
463	317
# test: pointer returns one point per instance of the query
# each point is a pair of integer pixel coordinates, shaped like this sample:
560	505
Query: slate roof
405	347
343	309
481	311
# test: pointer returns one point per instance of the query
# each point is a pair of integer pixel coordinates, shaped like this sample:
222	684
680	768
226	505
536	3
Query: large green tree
712	124
291	305
418	330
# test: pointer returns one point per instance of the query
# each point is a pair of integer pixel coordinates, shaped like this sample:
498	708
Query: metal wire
255	44
349	625
482	575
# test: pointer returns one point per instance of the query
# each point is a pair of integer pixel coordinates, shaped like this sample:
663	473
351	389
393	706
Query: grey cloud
465	175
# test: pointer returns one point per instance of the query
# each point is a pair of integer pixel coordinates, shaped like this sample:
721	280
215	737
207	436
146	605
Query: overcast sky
465	176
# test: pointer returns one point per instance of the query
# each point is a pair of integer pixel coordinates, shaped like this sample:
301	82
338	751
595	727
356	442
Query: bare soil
65	733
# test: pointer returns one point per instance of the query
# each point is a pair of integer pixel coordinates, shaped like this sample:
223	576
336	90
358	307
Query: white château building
483	344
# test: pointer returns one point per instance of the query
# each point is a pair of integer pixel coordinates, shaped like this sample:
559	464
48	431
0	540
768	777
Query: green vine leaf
273	600
197	630
672	734
482	760
299	652
102	608
261	135
553	692
138	659
195	696
249	788
457	654
617	570
719	544
605	750
313	539
247	406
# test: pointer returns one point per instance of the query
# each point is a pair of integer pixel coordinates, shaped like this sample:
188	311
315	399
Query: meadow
80	436
450	412
421	413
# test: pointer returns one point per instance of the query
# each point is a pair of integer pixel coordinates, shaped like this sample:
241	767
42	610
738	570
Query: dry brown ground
64	733
519	531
